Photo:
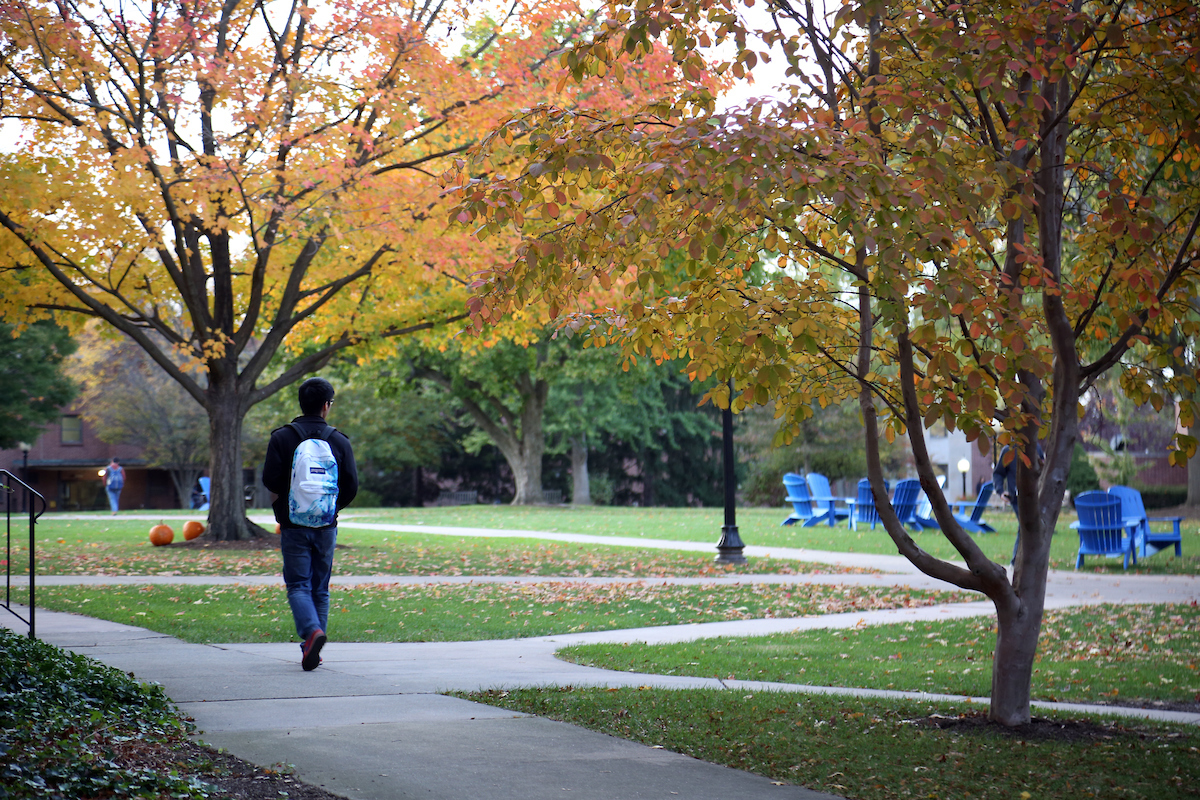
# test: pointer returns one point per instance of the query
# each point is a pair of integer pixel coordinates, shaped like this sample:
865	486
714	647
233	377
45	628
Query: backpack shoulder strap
324	434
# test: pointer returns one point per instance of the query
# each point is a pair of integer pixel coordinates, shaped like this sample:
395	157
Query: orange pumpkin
192	529
161	534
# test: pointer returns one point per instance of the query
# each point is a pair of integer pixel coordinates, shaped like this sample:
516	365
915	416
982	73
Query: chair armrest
1173	520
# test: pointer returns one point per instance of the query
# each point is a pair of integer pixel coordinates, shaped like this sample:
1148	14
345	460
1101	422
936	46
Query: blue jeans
114	497
307	565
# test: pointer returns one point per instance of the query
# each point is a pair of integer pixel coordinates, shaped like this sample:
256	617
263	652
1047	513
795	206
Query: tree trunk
1193	470
227	505
529	489
527	463
648	466
582	490
1018	627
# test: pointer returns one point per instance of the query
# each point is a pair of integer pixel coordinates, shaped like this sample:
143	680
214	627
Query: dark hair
313	394
116	460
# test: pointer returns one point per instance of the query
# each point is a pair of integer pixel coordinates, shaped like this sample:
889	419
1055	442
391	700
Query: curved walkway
371	723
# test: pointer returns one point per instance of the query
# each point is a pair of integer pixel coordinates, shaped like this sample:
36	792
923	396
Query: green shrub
367	499
1081	475
601	488
1163	496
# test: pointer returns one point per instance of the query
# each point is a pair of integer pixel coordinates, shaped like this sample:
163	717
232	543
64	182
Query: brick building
65	462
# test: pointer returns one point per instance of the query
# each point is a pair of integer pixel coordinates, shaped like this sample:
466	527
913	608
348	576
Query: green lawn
877	749
760	526
107	546
1094	654
121	546
460	612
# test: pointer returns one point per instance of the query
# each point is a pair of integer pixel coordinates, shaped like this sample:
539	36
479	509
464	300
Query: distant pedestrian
197	495
1004	482
114	482
311	474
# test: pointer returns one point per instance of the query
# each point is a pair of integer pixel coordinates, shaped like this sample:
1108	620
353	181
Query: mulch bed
203	542
237	779
269	541
1037	729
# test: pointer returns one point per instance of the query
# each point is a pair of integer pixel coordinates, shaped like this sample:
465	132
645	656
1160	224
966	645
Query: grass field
855	748
120	546
108	546
760	526
1096	654
461	612
886	750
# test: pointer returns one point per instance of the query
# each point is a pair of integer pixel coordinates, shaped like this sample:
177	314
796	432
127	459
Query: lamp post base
729	549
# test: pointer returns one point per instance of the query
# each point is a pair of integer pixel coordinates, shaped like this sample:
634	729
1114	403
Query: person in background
114	481
1004	482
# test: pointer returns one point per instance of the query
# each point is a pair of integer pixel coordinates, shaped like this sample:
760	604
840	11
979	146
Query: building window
72	430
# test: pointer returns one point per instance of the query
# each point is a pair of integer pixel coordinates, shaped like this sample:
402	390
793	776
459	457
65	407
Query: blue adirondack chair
822	496
863	510
802	505
1147	542
924	511
904	502
204	487
970	515
1103	530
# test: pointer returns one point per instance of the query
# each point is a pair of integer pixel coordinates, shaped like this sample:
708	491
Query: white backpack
312	497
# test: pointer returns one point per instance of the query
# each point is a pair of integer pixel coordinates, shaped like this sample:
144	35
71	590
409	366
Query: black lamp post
25	448
729	549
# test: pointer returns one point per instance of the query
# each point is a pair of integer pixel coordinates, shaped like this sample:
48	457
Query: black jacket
277	469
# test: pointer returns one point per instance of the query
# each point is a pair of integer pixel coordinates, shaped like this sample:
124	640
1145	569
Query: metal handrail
7	479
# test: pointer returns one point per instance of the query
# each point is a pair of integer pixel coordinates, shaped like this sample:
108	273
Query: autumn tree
978	208
128	399
226	182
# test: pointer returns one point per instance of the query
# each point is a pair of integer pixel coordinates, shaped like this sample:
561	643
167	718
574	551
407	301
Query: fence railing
14	488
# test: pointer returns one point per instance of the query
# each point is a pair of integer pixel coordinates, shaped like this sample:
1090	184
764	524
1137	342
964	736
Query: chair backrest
1131	501
1101	528
864	509
985	494
924	507
818	484
798	495
1099	510
904	500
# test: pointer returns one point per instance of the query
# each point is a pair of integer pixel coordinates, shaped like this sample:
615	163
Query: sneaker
312	650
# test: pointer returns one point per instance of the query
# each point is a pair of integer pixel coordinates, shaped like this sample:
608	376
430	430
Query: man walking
310	471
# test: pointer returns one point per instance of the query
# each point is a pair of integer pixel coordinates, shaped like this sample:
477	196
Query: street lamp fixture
964	466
